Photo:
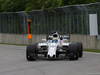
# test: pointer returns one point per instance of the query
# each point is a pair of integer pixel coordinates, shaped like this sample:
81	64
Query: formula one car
53	46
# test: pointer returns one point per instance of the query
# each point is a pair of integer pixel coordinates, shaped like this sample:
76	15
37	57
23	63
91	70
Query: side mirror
44	40
66	37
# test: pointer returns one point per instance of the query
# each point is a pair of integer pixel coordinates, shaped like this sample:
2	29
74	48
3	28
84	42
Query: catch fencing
72	19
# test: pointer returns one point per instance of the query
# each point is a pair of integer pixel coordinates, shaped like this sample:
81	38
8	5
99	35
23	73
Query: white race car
53	46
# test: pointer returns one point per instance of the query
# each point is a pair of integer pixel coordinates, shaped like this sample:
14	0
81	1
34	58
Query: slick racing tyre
31	52
80	48
73	52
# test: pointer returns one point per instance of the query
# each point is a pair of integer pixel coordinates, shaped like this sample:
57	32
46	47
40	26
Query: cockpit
54	40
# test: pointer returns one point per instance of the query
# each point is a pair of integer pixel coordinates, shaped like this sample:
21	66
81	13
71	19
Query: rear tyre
80	47
73	52
31	52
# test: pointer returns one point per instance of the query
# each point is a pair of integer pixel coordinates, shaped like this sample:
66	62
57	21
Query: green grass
14	44
92	50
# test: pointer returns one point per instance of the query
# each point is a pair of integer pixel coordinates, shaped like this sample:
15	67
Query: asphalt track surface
13	62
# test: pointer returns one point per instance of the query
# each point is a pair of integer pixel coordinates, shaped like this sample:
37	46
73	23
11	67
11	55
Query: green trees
42	4
27	5
72	2
12	5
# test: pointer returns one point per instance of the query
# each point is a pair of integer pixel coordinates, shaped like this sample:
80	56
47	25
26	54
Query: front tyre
31	52
73	52
80	46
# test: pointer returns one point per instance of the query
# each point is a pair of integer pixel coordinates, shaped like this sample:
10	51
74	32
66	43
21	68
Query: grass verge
14	44
92	50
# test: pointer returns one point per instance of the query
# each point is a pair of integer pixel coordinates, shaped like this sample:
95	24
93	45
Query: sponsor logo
52	46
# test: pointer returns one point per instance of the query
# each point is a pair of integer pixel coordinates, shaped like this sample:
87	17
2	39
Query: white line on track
91	53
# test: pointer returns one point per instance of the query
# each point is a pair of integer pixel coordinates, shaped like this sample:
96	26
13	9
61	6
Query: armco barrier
89	42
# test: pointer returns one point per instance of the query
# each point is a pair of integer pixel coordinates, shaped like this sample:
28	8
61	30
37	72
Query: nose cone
51	56
52	50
